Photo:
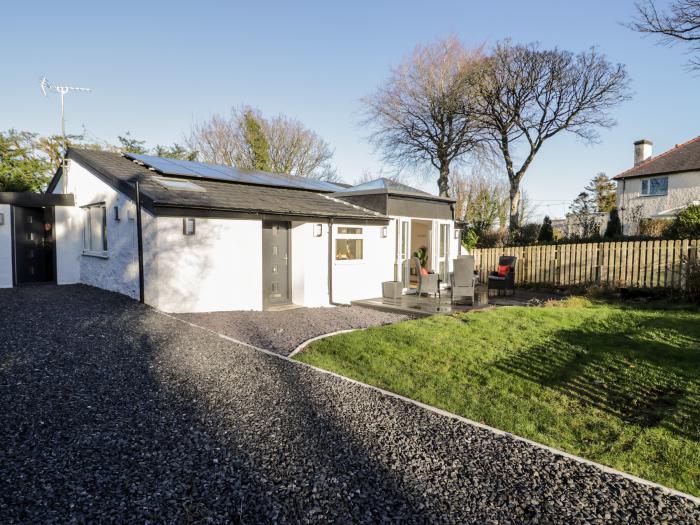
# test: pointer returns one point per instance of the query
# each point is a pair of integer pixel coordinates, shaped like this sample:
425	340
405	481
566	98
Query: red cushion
503	269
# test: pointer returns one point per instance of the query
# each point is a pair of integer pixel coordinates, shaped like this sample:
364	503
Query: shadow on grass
636	376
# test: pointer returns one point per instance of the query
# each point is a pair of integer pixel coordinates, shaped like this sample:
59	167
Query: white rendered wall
362	279
69	244
683	188
118	271
309	271
5	248
219	268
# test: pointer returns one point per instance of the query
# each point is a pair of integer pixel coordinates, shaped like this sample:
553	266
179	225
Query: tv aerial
47	88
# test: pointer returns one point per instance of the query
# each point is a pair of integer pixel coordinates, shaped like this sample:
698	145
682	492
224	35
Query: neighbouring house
657	188
580	226
217	238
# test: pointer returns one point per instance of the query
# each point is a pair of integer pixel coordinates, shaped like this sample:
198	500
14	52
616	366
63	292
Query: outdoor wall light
318	230
188	226
385	232
2	219
116	214
457	232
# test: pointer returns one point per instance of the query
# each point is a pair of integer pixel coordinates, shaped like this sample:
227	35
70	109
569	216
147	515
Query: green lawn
618	385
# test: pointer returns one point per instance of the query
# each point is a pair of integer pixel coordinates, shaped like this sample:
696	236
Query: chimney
642	151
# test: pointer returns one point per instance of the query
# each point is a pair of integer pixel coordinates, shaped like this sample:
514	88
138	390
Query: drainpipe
139	238
330	263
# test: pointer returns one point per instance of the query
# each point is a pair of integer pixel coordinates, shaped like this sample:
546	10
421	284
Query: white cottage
214	238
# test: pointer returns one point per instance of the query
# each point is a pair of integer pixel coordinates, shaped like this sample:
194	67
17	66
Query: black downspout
139	237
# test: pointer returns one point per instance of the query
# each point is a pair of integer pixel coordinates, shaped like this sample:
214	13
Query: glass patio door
443	251
404	252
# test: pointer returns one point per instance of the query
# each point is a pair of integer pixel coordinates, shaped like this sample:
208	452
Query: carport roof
213	197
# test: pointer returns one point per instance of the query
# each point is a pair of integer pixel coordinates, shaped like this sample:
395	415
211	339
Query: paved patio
111	412
425	305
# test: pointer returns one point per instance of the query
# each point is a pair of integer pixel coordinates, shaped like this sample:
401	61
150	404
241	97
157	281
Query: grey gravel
113	413
282	331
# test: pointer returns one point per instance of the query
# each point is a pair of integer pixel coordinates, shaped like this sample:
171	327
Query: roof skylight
177	184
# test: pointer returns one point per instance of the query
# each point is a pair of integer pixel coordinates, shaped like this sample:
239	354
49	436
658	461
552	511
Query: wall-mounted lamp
457	233
2	219
116	214
188	226
385	232
318	230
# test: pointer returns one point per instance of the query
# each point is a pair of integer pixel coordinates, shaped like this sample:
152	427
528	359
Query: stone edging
445	413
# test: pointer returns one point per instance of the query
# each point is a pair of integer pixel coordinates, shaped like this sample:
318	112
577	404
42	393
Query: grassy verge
615	384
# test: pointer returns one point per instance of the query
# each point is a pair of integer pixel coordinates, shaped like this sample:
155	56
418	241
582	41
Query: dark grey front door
33	245
275	255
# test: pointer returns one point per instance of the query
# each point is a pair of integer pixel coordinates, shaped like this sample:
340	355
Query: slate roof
119	172
391	187
684	157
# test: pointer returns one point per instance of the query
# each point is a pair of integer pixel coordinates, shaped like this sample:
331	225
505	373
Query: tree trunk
514	222
444	180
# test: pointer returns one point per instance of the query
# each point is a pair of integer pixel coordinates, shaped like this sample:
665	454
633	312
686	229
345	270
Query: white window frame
341	236
87	230
648	186
404	252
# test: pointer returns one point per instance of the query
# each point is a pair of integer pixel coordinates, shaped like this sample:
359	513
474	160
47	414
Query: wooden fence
644	264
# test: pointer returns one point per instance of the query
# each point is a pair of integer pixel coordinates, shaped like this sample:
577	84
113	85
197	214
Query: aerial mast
46	88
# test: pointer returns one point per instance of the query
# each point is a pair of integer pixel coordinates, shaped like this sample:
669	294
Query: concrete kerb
445	413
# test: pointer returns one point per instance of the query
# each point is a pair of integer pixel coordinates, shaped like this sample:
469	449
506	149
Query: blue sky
155	67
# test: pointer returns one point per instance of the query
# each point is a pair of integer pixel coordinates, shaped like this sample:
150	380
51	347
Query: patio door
275	257
443	250
403	232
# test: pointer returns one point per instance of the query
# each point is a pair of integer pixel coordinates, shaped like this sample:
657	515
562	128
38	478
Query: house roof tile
684	157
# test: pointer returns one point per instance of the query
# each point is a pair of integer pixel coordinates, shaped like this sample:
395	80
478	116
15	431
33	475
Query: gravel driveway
112	412
284	330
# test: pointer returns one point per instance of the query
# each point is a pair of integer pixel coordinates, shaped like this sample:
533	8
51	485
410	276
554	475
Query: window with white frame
95	229
655	186
349	244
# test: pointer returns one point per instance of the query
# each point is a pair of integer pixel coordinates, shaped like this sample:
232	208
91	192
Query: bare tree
529	95
219	140
293	148
298	150
680	24
423	114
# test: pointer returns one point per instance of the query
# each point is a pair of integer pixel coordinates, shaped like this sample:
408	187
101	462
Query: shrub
614	227
470	239
653	227
526	234
493	239
546	231
686	225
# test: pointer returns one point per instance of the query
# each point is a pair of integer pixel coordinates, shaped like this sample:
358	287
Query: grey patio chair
504	282
463	278
427	284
